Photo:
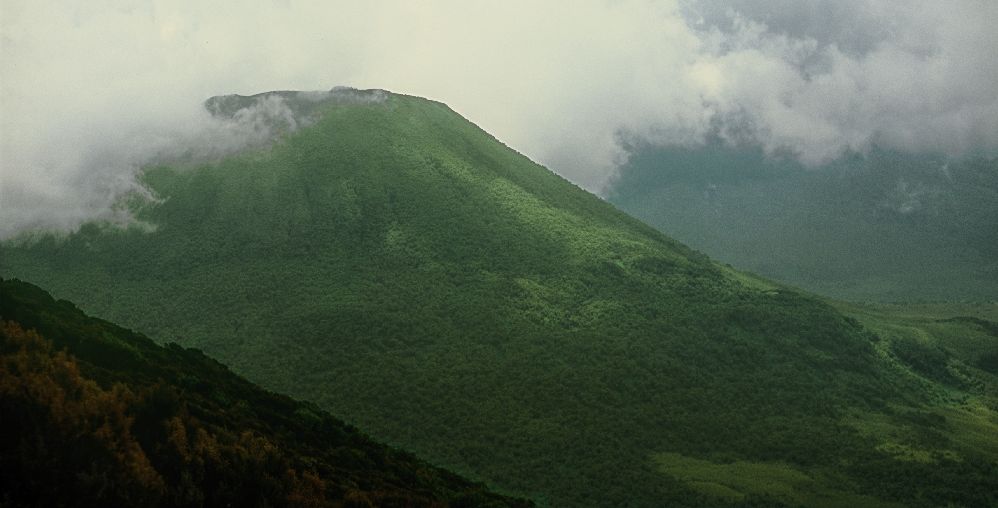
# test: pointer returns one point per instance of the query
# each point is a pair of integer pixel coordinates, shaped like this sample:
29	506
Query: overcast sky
90	90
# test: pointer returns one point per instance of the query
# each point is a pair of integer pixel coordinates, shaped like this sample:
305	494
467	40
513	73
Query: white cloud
559	81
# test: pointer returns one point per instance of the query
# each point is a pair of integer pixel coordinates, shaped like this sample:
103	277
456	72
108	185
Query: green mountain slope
399	267
96	415
881	227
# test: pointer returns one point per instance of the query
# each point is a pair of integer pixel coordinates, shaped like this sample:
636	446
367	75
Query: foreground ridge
94	414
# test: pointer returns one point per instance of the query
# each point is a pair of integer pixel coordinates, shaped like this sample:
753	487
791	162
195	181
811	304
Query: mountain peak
399	266
229	105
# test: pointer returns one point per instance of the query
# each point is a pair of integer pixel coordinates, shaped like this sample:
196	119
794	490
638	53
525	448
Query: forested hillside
399	267
96	415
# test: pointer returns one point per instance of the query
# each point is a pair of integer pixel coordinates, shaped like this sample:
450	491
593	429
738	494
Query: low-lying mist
80	176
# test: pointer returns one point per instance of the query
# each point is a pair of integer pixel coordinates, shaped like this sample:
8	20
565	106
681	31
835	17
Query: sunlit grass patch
738	480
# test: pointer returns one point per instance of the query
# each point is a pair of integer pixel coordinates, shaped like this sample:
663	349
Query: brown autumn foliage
67	429
75	442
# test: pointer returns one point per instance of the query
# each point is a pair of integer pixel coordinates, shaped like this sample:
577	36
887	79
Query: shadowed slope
96	415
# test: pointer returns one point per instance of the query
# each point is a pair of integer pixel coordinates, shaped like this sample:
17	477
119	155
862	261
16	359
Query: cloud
91	89
911	76
82	175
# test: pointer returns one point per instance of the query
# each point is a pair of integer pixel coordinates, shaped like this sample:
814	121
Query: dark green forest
97	415
399	267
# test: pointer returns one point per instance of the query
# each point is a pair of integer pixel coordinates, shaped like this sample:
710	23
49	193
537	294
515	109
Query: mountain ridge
880	226
186	431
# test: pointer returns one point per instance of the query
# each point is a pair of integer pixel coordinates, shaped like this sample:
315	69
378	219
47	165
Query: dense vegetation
95	415
399	267
881	226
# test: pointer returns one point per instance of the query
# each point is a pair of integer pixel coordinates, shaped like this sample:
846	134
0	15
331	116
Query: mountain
399	267
97	415
883	226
